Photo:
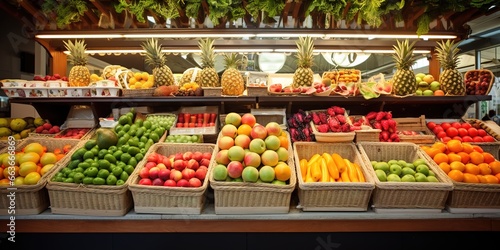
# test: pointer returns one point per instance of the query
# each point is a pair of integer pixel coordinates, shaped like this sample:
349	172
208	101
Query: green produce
106	138
402	171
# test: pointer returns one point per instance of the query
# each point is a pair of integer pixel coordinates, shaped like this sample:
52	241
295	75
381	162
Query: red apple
153	173
178	156
147	182
179	165
157	182
481	132
201	173
462	132
188	173
187	156
149	165
170	183
207	155
183	183
197	156
204	162
144	173
166	161
194	182
164	174
175	175
192	164
488	138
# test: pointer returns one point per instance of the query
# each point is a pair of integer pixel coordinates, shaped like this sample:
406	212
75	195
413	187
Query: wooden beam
104	10
33	11
434	67
284	15
414	15
91	16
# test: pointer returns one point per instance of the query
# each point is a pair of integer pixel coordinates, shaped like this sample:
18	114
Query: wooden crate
418	125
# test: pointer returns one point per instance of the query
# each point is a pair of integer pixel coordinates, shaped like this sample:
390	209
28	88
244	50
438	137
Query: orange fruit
470	178
6	172
476	157
481	178
472	169
284	141
440	145
467	147
57	151
491	179
456	175
439	92
440	158
282	172
464	156
488	157
457	165
484	168
495	167
244	129
445	167
477	148
432	152
454	145
60	156
454	157
4	182
498	176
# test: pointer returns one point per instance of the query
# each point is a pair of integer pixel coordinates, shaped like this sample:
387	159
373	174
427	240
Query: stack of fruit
47	128
31	163
54	77
464	162
333	119
75	133
478	82
402	171
427	85
19	128
383	120
299	125
461	131
328	167
189	89
251	152
141	80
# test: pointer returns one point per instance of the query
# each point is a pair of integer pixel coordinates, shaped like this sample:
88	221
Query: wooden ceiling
102	14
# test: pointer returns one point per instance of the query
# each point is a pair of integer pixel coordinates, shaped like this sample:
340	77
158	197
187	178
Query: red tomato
481	132
472	132
458	138
445	139
441	134
437	129
431	125
488	138
467	139
445	125
478	139
462	132
452	132
466	125
456	125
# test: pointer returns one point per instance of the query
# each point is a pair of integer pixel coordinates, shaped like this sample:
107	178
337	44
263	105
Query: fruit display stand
332	196
405	196
254	198
34	199
414	124
170	200
212	91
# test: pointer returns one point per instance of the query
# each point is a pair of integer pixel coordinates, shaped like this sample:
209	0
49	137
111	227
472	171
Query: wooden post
434	67
59	63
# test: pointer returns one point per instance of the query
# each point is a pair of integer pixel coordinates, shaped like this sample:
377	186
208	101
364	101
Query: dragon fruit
315	118
323	117
322	128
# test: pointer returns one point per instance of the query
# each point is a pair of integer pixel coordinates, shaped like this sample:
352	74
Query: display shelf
294	221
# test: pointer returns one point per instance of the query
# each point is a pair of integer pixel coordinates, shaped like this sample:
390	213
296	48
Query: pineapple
187	76
304	76
157	60
209	77
450	78
404	82
79	75
232	81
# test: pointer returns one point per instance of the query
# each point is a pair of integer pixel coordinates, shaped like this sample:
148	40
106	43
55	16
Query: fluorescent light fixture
74	36
279	35
183	35
390	36
337	51
384	51
243	50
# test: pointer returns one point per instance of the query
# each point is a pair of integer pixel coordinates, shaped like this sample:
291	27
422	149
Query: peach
258	146
248	119
221	157
183	183
242	141
273	128
198	156
282	154
164	174
272	142
233	118
225	142
192	164
147	182
252	159
270	158
175	175
234	169
229	130
266	173
201	173
179	165
157	182
220	172
150	164
236	153
194	182
169	183
188	173
144	173
258	131
250	174
153	173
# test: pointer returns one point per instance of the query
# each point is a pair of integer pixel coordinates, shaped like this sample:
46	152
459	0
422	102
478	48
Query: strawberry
371	115
388	115
385	124
338	110
322	128
380	115
341	119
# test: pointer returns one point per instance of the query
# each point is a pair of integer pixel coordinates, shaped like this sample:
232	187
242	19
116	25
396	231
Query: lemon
138	76
145	76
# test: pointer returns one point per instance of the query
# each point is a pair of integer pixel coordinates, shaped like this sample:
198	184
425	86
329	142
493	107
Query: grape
165	121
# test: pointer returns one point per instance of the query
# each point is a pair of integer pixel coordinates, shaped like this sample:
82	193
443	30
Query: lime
84	165
103	173
90	144
134	141
66	171
133	150
143	139
88	180
59	174
132	162
89	160
102	153
120	182
104	164
88	155
128	169
71	175
118	153
134	127
78	170
78	177
98	181
154	136
59	178
125	157
78	154
110	158
112	149
147	124
140	132
73	164
69	180
121	134
139	156
124	119
111	180
139	122
95	164
118	128
124	176
117	171
126	128
141	144
91	172
95	150
120	164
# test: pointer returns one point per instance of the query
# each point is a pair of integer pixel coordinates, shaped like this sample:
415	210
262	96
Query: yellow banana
351	170
316	171
309	174
325	176
303	168
361	176
314	158
332	168
339	161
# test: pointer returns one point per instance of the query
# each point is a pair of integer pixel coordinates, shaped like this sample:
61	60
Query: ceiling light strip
135	51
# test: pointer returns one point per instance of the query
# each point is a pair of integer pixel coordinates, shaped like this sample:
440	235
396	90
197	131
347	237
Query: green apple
428	92
420	75
394	178
381	175
395	169
435	85
419	161
422	168
392	162
418	79
384	166
419	177
431	178
410	165
402	163
418	92
407	170
408	178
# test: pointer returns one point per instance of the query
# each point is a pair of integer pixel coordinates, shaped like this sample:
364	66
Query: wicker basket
418	125
170	200
405	195
254	198
367	135
332	196
332	136
212	91
94	200
256	91
34	199
138	92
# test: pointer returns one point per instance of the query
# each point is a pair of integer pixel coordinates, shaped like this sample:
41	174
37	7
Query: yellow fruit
32	178
46	169
19	180
145	76
48	158
26	168
138	76
132	81
29	157
138	85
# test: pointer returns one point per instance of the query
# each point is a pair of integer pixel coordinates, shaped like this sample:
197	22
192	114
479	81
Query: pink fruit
229	130
39	129
166	161
221	157
47	126
242	141
157	182
236	153
178	156
233	118
198	156
164	174
179	165
258	131
225	142
147	182
207	155
273	128
192	164
187	156
153	157
234	169
252	159
249	119
161	166
201	173
175	175
153	173
183	183
144	173
149	165
270	158
194	182
188	173
204	162
170	183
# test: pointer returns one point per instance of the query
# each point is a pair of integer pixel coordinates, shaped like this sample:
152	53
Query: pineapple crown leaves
447	54
154	56
207	52
76	50
305	48
403	54
231	60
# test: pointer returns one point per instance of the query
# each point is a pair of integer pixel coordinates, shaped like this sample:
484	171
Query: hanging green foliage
423	24
333	7
164	8
192	7
232	9
271	8
65	12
